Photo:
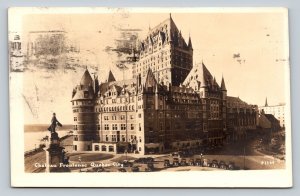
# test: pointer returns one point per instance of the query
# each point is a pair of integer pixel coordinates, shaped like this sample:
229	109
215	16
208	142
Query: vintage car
222	165
198	162
175	162
214	164
231	166
183	162
167	163
135	169
122	170
191	162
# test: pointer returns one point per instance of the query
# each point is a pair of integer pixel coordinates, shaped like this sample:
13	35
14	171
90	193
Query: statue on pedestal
54	123
56	152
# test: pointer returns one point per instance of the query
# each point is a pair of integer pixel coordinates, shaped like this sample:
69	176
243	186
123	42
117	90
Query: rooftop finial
266	103
170	15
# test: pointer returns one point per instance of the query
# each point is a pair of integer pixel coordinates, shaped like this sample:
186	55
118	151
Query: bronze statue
54	123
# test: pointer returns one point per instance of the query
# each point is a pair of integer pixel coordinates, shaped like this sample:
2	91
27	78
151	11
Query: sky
249	49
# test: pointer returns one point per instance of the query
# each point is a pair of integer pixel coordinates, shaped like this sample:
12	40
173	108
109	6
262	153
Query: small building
278	111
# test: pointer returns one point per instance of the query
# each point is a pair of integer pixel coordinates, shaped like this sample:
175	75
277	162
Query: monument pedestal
56	155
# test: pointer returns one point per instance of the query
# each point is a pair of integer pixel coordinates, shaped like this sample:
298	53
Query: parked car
144	160
175	162
150	165
222	165
140	160
127	163
191	162
198	162
214	164
177	154
122	170
149	160
167	163
135	169
183	162
231	165
147	169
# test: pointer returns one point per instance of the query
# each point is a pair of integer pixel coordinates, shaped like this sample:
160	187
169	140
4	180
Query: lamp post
79	159
201	156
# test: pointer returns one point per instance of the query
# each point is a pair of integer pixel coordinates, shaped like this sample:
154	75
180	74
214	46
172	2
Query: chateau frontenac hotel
168	105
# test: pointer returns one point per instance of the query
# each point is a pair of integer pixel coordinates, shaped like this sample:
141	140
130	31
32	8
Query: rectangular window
123	126
131	117
106	118
113	138
140	115
122	117
140	128
75	118
132	126
114	127
106	127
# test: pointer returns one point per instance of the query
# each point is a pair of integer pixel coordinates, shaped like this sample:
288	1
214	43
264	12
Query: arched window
96	147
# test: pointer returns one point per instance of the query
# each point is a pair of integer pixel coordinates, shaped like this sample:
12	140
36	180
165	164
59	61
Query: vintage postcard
149	97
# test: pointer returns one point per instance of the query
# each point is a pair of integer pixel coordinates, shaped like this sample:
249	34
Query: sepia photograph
137	97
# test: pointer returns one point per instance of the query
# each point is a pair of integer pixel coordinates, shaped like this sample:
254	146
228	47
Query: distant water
34	133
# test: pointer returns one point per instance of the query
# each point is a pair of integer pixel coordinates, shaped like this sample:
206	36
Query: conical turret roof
86	79
111	77
223	87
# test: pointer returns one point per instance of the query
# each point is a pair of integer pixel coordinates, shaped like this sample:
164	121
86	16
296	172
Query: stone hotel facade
169	104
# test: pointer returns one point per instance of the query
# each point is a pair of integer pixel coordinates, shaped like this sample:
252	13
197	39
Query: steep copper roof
165	31
86	79
111	77
236	102
200	73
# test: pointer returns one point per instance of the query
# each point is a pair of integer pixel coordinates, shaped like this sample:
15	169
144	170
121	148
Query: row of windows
117	100
81	102
116	126
121	117
116	108
116	138
104	148
83	110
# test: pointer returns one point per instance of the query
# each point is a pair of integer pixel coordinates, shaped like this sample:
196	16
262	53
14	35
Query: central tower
166	53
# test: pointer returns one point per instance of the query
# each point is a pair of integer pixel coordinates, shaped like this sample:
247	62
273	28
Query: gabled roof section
201	74
86	79
150	80
129	86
